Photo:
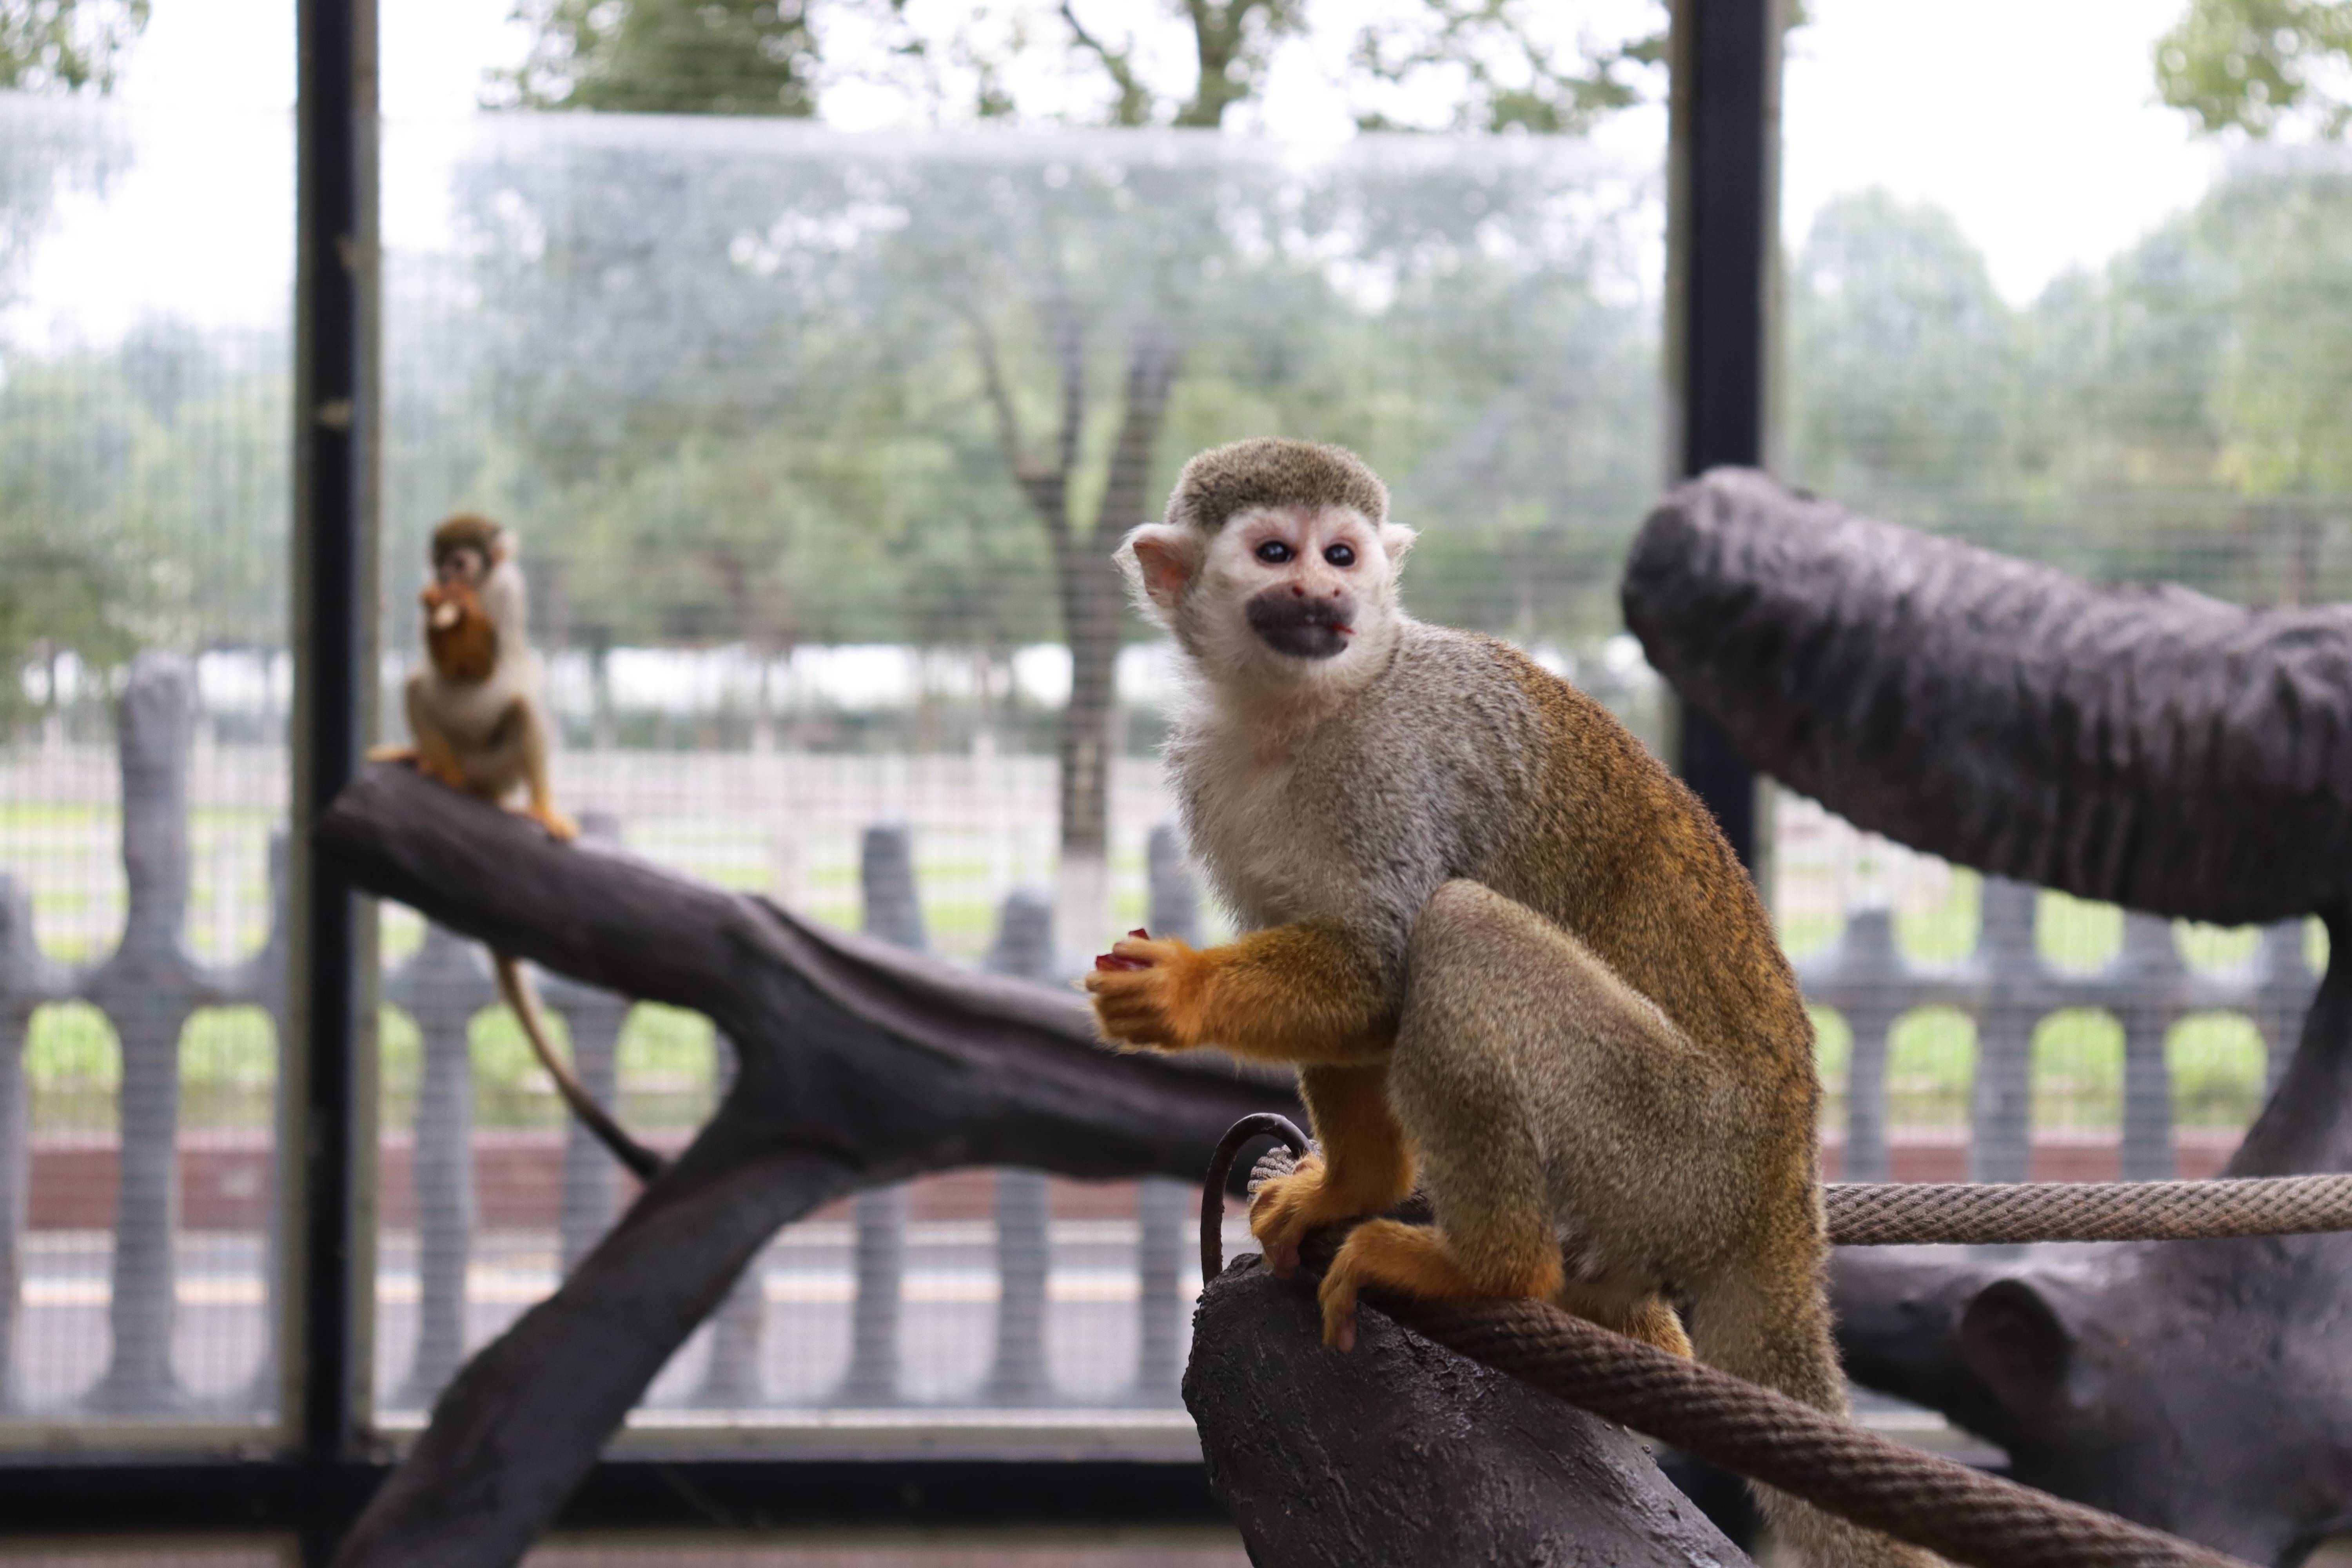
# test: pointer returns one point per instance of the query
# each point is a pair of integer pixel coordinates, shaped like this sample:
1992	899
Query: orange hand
1158	1005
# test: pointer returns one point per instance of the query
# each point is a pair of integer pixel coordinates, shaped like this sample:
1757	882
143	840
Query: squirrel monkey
1508	952
479	724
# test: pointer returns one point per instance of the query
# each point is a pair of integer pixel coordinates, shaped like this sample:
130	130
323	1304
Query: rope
1964	1515
1877	1213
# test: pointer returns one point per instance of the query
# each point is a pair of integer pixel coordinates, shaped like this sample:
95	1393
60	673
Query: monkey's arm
1311	993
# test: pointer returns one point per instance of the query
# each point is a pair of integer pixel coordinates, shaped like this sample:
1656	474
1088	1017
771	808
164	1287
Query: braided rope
1878	1214
1961	1514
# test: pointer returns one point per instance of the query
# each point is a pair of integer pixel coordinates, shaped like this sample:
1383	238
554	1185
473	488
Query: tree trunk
1093	617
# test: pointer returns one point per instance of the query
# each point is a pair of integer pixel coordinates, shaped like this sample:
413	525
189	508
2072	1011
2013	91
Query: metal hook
1265	1124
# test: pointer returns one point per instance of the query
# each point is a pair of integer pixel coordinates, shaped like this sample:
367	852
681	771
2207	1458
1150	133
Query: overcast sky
2035	123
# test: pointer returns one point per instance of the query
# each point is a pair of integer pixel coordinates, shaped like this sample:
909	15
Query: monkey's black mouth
1303	628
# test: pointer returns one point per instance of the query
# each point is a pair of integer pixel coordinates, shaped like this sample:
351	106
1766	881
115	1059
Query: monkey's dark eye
1340	555
1273	553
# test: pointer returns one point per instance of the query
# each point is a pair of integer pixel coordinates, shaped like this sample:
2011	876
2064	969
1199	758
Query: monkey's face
458	637
1277	592
465	564
1300	574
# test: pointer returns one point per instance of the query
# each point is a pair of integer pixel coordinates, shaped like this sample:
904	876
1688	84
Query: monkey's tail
642	1162
1770	1324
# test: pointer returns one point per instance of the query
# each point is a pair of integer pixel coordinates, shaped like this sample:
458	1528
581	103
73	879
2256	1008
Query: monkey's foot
1155	1004
1413	1260
1651	1320
1285	1209
560	827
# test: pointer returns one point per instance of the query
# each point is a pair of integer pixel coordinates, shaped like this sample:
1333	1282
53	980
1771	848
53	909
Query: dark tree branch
860	1064
1401	1451
2147	745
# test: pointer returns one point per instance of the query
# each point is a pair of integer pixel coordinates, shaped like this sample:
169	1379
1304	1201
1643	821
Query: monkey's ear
1159	560
1396	539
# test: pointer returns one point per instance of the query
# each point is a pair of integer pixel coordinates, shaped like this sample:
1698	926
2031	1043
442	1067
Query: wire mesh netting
143	497
2171	412
792	425
802	433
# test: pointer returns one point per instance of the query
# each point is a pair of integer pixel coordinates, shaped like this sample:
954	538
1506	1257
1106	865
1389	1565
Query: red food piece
1112	960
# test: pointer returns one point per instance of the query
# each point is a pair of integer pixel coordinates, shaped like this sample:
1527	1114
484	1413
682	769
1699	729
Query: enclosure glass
2073	333
143	503
772	408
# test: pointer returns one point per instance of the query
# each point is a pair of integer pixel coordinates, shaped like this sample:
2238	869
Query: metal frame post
1721	247
335	471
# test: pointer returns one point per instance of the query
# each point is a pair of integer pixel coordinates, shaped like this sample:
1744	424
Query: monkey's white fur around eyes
1195	586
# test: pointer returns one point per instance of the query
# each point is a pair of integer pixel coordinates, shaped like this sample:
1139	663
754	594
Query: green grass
668	1061
1945	932
1931	1058
2077	934
73	1062
2078	1070
2217	1062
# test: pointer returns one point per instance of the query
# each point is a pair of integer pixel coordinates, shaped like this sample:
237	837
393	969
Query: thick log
1401	1451
861	1064
2147	745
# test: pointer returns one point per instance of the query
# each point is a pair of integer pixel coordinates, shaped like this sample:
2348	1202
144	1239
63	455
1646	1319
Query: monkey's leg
1546	1098
1308	993
531	737
1364	1167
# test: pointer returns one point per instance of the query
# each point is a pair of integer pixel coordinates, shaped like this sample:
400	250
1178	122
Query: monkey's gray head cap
1267	471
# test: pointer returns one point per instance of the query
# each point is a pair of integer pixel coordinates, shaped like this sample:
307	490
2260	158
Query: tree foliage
2259	66
66	46
663	56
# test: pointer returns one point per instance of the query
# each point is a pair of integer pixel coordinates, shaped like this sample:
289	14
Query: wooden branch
1401	1451
861	1064
2147	745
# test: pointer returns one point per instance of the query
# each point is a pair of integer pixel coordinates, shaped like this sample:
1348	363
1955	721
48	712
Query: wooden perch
1401	1451
860	1064
2147	745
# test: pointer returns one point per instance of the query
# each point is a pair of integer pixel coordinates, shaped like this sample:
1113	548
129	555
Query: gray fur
1270	471
1416	777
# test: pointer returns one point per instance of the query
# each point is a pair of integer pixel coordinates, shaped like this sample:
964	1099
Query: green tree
1067	317
51	45
1904	354
663	56
2259	66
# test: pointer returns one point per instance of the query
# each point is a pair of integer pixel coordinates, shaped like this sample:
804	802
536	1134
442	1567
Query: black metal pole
334	417
1725	138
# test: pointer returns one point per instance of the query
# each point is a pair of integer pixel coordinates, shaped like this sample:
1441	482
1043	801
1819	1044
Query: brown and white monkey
1510	954
478	717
